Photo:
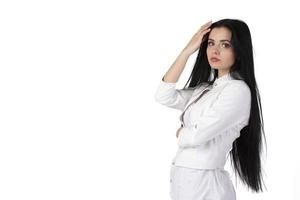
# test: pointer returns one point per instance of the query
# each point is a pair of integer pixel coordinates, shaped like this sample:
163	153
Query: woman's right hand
196	40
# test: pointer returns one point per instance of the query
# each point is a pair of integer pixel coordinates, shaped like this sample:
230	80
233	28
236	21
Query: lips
214	59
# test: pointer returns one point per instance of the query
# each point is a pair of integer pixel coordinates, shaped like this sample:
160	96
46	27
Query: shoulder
238	88
238	84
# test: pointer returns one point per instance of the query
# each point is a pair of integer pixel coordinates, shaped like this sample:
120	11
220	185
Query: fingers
208	23
206	31
178	131
205	26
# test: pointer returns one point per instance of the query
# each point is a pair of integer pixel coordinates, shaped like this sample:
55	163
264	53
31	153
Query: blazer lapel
193	100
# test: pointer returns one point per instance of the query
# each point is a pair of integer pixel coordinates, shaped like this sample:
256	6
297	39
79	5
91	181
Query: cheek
209	52
229	57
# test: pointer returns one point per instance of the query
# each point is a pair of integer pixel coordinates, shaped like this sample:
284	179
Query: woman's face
219	47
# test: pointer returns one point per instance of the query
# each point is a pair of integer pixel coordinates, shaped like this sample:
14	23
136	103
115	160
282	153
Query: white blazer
211	124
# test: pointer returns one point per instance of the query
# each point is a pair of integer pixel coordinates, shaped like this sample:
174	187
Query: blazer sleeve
167	94
231	108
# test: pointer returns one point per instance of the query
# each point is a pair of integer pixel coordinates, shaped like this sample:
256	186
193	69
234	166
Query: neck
222	73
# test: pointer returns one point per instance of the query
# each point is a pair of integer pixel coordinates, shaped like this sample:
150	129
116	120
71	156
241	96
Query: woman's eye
226	45
209	43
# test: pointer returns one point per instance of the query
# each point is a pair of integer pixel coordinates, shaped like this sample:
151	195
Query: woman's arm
166	93
174	72
231	109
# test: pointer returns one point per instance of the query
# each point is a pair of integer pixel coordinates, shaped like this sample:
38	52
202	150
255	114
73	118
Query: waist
202	172
197	159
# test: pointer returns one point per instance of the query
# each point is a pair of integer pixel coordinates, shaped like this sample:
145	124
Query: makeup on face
223	44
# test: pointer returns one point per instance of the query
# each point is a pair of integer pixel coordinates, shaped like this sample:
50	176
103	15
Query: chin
215	66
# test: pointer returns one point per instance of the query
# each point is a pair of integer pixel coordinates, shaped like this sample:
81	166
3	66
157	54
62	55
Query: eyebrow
220	40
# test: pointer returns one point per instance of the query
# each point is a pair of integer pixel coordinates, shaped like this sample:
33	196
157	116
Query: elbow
158	97
161	99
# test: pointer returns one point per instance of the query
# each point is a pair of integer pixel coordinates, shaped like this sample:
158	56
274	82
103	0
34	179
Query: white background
78	119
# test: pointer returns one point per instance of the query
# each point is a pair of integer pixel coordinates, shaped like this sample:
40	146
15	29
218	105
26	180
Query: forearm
174	72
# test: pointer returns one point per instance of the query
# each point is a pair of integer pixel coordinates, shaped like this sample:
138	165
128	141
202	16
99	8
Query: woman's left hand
178	131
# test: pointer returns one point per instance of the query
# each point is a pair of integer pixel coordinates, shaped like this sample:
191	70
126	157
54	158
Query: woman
221	114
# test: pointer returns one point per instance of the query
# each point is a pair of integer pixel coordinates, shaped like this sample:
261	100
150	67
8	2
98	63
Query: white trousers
200	184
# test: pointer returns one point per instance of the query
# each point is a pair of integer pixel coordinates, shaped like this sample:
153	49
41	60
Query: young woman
221	114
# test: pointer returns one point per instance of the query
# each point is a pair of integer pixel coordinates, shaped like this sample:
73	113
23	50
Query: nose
216	50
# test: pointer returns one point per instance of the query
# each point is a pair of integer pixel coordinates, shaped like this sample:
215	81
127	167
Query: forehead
220	33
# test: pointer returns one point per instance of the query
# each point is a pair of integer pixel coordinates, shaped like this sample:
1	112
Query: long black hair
246	149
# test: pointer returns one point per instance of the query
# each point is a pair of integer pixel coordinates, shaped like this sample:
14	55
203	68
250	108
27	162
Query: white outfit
197	184
210	126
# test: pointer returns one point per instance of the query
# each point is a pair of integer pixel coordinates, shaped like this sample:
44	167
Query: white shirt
211	124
